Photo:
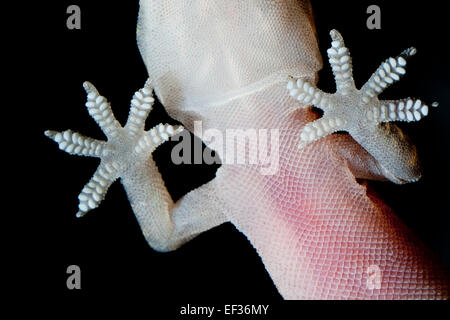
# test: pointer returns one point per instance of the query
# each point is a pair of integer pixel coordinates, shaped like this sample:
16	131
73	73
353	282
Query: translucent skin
319	233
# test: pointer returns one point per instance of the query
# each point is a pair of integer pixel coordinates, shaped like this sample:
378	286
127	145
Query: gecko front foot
362	114
126	147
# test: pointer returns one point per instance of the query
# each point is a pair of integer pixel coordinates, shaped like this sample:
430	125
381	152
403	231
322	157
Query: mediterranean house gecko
298	204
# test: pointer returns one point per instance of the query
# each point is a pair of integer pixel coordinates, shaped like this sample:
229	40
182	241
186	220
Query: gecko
318	232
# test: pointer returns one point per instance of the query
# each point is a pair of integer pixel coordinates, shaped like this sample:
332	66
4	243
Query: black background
220	265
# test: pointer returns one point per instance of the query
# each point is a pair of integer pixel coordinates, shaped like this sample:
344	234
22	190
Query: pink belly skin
320	234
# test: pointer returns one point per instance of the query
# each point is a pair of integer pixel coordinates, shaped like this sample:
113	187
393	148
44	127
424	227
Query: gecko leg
127	154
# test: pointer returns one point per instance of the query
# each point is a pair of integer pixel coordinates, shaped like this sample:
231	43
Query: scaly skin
320	234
